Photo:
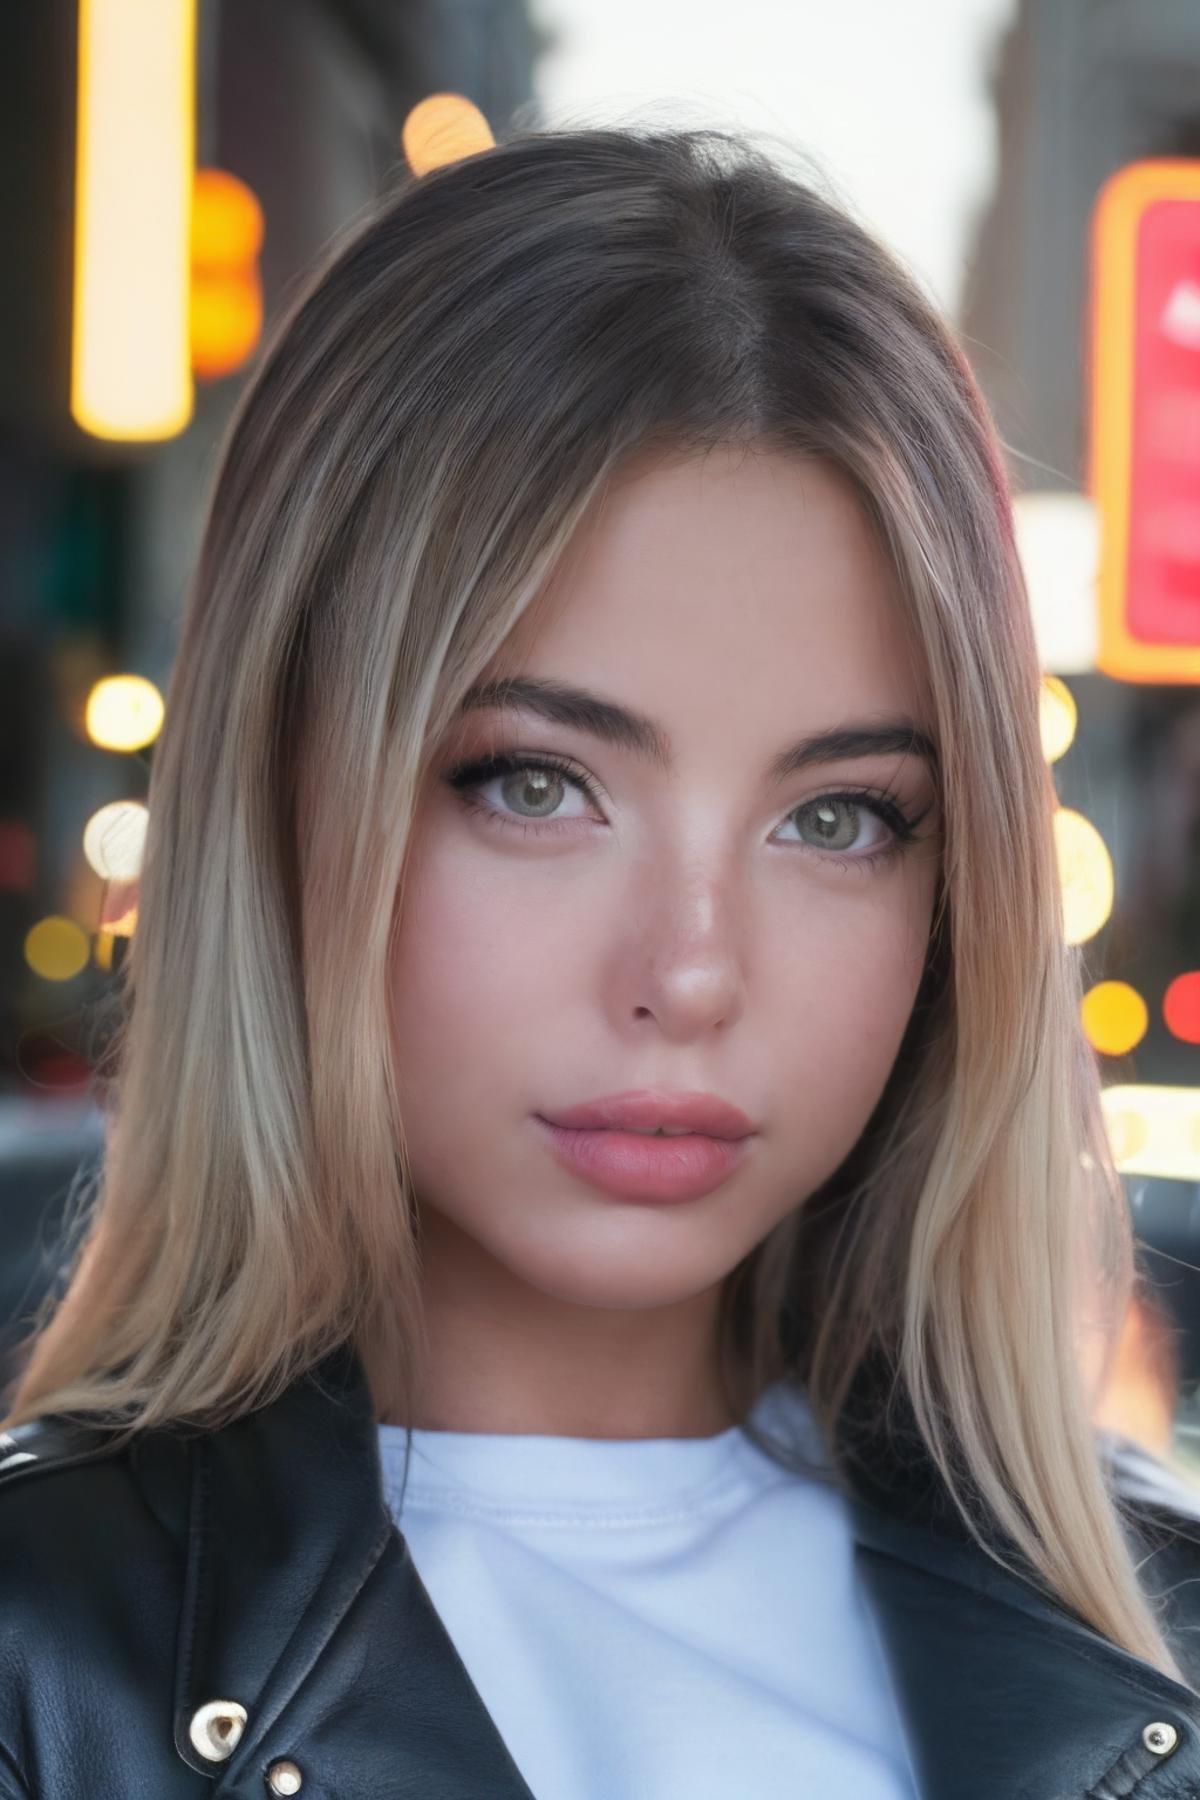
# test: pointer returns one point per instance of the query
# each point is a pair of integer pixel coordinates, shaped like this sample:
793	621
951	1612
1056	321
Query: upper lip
641	1109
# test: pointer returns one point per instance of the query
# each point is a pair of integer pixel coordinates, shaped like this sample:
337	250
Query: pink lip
646	1168
641	1109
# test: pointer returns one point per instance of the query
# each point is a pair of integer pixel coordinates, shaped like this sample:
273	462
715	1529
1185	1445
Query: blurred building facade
303	100
1082	89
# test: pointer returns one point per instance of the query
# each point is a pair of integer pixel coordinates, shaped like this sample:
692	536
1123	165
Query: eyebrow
579	709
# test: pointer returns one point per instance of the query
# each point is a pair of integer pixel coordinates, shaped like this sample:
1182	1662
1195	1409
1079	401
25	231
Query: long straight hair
473	360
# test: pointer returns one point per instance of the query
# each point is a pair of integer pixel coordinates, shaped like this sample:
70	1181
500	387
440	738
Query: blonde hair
425	429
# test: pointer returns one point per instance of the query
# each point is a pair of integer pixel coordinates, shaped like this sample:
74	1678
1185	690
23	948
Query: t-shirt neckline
526	1469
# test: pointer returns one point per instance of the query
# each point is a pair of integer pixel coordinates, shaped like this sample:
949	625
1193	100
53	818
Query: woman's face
698	924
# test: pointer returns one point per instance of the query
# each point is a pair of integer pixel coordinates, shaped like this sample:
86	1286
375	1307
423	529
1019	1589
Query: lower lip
647	1168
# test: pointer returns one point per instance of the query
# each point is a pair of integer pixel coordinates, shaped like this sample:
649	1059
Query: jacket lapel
287	1530
1004	1694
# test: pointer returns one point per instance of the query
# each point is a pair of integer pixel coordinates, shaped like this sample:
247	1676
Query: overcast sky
888	96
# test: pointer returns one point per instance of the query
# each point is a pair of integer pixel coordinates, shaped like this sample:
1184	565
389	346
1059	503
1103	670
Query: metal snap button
1160	1737
216	1727
283	1777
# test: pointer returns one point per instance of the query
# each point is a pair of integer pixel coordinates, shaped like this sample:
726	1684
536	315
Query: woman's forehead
740	581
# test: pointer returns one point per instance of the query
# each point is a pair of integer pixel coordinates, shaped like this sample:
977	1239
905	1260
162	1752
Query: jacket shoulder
92	1561
80	1508
86	1497
53	1442
53	1471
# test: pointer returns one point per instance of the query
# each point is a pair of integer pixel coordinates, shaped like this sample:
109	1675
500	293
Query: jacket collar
287	1527
263	1588
1002	1692
997	1680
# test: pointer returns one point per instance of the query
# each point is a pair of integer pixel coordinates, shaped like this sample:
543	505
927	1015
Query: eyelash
468	777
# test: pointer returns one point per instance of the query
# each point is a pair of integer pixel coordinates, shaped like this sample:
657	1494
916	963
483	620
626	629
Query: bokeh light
1058	717
1154	1130
1181	1007
1115	1017
124	712
114	837
227	221
1086	873
226	294
443	128
56	948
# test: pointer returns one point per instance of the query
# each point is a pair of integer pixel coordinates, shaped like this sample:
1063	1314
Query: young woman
607	701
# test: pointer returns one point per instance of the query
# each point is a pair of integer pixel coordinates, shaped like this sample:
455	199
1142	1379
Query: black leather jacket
233	1613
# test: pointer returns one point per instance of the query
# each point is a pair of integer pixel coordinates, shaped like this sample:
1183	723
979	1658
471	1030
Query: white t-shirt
651	1618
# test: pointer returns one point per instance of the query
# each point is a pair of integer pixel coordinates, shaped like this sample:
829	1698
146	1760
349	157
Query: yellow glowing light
134	162
114	838
1086	873
227	317
1058	717
227	299
124	712
1154	1130
56	948
227	221
1115	1017
1128	1133
443	128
